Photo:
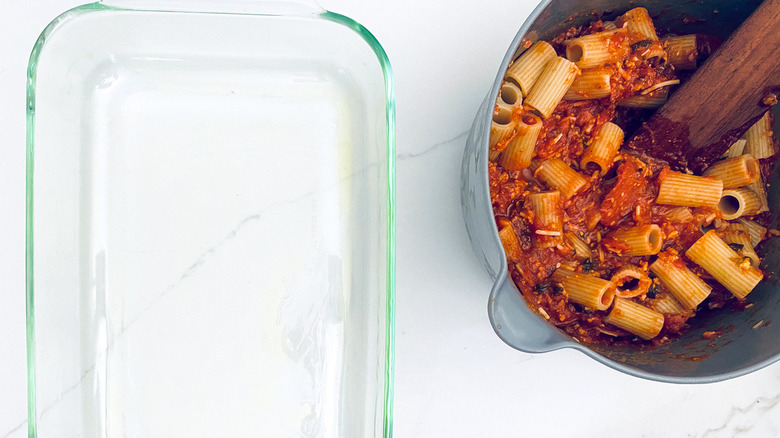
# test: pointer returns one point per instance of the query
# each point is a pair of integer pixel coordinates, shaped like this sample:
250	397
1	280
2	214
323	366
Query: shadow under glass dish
750	339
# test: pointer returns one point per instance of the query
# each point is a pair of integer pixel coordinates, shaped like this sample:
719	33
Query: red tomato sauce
623	197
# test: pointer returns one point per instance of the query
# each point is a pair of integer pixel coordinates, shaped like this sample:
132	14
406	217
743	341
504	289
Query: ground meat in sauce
629	191
624	197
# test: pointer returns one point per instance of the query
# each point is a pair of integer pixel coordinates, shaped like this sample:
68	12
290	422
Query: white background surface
454	377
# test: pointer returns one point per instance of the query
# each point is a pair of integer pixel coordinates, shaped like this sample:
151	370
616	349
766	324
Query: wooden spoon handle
729	93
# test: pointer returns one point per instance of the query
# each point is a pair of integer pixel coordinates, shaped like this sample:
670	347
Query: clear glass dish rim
376	47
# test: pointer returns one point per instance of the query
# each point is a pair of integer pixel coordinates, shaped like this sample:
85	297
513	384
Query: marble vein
209	253
426	151
200	261
59	397
761	404
15	429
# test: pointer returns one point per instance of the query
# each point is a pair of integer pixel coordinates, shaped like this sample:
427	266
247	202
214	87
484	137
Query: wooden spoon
729	93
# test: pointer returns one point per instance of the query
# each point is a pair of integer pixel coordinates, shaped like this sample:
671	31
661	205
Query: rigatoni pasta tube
558	175
757	232
547	221
732	226
679	214
625	284
581	248
635	318
724	264
687	287
526	70
502	125
740	242
760	190
511	94
586	290
603	148
510	242
759	141
656	99
653	50
740	202
735	172
520	150
556	77
681	51
667	303
685	190
509	103
638	21
638	241
736	149
591	84
597	49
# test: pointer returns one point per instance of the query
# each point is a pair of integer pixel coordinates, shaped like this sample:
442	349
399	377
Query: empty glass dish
210	223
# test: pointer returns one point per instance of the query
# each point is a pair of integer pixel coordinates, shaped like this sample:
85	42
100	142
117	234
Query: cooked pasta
655	99
581	248
586	290
729	269
547	221
636	241
635	318
682	51
603	148
509	241
510	94
735	172
736	203
736	149
502	126
668	304
677	188
739	241
526	70
631	281
560	176
756	231
758	138
520	148
556	77
598	49
591	84
638	21
759	188
611	246
685	286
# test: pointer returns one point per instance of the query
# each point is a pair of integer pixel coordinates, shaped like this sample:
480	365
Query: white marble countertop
454	377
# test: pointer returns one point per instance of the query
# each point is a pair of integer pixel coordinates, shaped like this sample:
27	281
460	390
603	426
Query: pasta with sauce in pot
610	246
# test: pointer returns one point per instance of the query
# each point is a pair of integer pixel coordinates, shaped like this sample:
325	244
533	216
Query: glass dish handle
250	7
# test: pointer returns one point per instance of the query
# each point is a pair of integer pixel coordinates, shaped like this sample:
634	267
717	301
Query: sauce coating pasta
654	238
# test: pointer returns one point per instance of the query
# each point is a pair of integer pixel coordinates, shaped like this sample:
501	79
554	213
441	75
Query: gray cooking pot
751	338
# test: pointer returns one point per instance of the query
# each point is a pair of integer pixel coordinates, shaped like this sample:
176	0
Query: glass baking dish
210	223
